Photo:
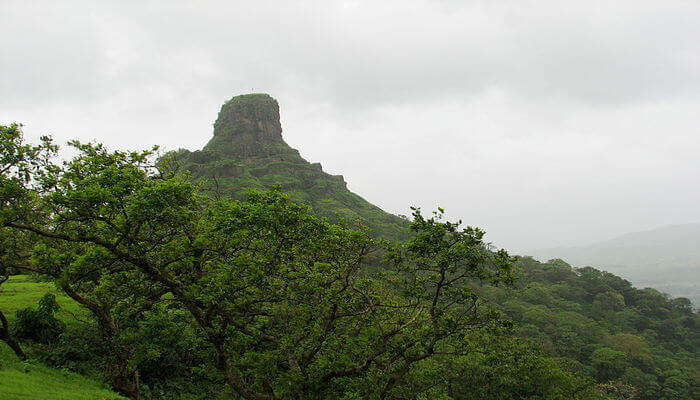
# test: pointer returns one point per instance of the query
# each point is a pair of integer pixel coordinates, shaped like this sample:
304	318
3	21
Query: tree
634	346
280	296
40	324
509	368
19	164
5	330
34	193
609	364
608	301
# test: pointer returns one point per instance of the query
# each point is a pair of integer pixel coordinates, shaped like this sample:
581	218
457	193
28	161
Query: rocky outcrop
248	151
249	126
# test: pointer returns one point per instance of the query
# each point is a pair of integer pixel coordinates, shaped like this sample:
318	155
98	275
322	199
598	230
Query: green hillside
32	380
637	340
248	151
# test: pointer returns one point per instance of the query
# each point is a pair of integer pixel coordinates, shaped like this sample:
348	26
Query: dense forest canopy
189	290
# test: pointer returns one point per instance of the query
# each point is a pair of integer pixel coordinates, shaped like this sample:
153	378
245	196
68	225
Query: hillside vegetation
636	340
667	258
172	279
33	380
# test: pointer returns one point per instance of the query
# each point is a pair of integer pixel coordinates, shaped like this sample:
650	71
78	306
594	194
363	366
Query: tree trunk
123	378
128	385
7	337
14	345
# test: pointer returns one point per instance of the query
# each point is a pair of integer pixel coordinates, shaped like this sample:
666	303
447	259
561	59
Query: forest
149	284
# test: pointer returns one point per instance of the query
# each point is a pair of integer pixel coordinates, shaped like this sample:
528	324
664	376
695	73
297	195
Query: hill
666	258
248	151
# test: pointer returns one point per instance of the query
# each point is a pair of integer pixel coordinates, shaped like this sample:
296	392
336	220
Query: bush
39	325
79	350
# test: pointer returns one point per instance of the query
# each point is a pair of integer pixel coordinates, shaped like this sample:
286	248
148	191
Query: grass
31	380
21	291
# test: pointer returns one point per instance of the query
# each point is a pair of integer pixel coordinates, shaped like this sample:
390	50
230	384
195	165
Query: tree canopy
263	297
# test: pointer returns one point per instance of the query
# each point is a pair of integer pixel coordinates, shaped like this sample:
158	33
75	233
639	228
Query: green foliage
608	301
609	364
277	297
514	369
622	336
182	292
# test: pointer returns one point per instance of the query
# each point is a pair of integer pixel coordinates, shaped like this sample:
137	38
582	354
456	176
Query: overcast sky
545	122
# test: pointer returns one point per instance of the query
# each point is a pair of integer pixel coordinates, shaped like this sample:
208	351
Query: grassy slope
21	291
31	380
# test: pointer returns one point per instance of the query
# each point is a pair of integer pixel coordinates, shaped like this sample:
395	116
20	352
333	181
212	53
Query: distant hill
248	151
666	258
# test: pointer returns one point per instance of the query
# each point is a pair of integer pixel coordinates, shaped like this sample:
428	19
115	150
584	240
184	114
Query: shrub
40	324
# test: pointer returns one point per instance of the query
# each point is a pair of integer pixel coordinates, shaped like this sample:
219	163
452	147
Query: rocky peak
249	126
247	151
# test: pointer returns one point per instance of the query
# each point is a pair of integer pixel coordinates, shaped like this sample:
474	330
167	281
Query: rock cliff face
248	151
249	126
